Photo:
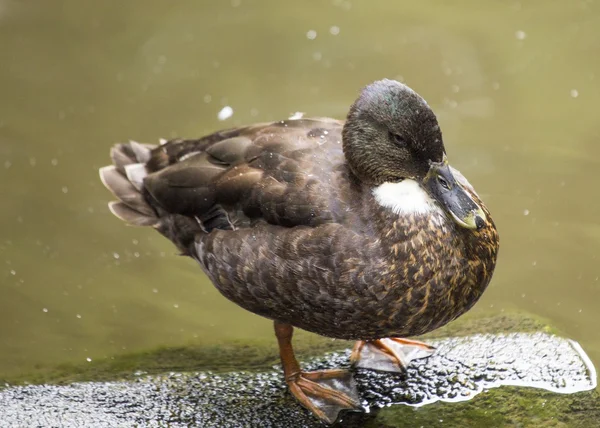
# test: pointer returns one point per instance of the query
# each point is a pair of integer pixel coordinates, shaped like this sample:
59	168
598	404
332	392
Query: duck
354	229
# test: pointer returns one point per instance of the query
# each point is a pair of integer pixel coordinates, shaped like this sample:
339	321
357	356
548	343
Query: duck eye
398	139
443	182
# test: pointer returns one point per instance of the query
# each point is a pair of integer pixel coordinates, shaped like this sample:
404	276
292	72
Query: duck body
341	229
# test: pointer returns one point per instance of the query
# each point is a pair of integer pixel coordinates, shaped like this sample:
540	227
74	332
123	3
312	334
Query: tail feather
130	216
120	157
135	174
125	179
142	152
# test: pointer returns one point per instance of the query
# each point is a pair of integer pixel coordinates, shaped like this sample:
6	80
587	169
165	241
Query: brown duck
353	230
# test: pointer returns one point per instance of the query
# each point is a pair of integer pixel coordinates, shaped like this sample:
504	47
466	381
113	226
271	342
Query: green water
515	86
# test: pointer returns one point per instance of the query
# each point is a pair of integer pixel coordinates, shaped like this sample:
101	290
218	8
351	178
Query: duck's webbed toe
326	393
391	354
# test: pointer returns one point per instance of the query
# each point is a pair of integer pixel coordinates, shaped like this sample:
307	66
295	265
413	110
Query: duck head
393	142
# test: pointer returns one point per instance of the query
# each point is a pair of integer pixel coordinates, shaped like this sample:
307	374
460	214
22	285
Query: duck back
286	173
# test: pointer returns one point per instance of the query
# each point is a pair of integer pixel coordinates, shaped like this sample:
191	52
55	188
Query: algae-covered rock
432	393
248	355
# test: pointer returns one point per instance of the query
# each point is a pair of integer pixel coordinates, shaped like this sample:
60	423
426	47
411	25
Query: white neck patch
405	197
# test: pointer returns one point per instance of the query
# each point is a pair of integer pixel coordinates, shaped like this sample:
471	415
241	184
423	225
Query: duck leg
392	354
325	392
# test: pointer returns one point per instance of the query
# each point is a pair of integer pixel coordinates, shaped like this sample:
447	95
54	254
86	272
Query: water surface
515	86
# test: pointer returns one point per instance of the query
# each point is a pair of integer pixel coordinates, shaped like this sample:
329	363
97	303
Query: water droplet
520	35
225	113
525	212
65	189
88	359
45	310
78	316
54	162
116	255
334	30
13	272
574	93
311	34
175	305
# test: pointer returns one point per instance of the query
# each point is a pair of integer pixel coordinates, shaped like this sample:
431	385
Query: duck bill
453	197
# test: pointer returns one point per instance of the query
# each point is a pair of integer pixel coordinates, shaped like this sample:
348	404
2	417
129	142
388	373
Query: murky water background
515	86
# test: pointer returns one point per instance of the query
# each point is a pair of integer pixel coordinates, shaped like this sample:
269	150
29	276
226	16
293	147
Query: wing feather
279	173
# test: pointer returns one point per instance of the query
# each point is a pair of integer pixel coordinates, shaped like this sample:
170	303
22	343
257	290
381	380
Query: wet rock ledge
545	380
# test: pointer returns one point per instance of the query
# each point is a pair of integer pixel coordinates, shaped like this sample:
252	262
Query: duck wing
278	173
287	173
271	212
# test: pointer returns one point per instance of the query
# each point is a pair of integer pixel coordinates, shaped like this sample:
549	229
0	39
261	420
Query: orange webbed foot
325	393
392	354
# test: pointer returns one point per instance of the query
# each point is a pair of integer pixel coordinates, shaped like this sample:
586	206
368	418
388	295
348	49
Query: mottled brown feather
284	229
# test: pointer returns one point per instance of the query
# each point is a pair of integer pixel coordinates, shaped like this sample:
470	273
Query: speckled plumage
355	230
284	229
